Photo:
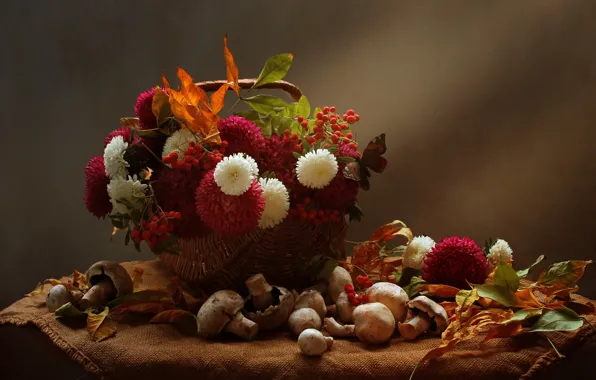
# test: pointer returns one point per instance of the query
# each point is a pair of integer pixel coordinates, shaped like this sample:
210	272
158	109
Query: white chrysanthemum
254	168
499	253
416	251
316	169
126	194
277	202
234	174
178	142
113	158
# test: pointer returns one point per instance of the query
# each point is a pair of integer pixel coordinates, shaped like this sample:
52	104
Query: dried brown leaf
100	326
170	316
444	291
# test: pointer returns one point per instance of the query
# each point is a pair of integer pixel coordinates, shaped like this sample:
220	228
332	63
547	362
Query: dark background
488	108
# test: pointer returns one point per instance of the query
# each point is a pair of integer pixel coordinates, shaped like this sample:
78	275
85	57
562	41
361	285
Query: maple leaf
390	231
231	69
100	326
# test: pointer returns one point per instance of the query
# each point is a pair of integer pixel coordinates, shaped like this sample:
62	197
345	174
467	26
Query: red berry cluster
354	298
329	122
196	156
308	210
364	281
156	229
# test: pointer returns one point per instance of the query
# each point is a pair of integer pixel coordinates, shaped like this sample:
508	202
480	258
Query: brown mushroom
429	315
337	330
303	319
338	280
260	291
221	312
311	299
275	315
108	280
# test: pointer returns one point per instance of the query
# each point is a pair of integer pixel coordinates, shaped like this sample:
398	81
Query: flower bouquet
220	198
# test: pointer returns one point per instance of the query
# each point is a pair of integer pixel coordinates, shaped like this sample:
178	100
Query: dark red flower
122	131
96	196
144	111
228	214
340	194
454	261
242	135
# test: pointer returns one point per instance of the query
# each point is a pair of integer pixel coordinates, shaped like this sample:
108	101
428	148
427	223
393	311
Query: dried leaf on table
52	281
504	331
143	295
524	272
68	310
526	299
565	273
170	316
561	319
444	291
137	278
143	307
449	307
581	307
38	290
100	326
79	280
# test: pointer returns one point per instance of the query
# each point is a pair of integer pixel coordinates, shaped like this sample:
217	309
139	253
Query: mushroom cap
275	315
338	280
313	343
257	285
115	272
392	296
345	309
432	309
57	297
311	299
373	323
303	319
216	312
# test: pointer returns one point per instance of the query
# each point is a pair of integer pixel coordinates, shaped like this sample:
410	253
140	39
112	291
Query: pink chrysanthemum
455	261
96	196
143	110
345	150
242	135
229	214
175	191
340	194
122	131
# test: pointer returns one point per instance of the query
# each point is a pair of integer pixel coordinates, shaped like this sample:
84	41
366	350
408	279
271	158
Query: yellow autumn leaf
100	326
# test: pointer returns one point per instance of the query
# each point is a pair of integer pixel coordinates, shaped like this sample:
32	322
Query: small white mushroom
303	319
374	323
337	330
338	280
311	299
392	296
58	297
313	343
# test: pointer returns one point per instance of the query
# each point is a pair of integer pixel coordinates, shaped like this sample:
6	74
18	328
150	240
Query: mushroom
260	291
429	315
344	308
221	312
338	280
274	315
108	280
311	299
57	297
332	310
392	296
373	323
313	343
303	319
337	330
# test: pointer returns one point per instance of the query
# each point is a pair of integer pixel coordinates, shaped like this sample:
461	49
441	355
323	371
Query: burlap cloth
162	351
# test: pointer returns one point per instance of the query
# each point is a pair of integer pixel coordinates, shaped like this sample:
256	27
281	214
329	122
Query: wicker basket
283	253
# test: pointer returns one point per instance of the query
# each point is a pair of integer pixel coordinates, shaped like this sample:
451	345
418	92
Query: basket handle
295	93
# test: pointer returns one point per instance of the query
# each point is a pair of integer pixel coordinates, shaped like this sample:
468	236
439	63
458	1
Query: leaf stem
353	242
414	370
560	355
588	322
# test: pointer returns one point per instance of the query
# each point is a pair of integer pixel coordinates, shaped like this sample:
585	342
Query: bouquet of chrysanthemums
179	170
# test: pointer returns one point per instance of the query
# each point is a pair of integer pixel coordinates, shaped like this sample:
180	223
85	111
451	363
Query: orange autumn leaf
527	300
99	326
391	230
449	307
231	69
137	278
195	95
79	280
444	291
52	281
143	307
170	316
441	350
487	302
504	331
560	291
565	273
130	122
38	290
160	99
217	98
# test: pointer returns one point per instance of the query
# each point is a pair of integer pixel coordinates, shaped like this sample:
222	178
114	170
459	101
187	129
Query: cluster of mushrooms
270	307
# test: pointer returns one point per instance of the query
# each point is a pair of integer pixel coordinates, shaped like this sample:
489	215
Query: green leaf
566	273
275	69
487	245
297	155
251	115
355	212
465	298
412	288
524	314
524	272
397	276
333	149
561	319
345	159
266	104
143	295
303	107
506	277
68	310
497	293
148	133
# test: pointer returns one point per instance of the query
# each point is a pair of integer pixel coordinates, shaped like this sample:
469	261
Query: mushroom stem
242	327
98	295
415	326
260	291
337	330
332	310
329	341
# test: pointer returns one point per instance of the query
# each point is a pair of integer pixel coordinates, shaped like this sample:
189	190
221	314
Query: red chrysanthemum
340	194
96	196
277	156
229	214
144	111
454	261
242	135
175	191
